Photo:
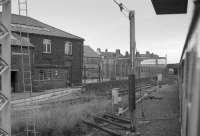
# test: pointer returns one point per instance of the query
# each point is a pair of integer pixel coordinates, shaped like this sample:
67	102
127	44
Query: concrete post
5	122
132	105
132	40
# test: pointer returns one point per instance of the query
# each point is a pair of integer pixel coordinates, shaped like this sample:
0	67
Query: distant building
172	68
116	65
91	64
55	56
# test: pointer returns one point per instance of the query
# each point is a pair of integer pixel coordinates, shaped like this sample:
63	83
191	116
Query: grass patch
62	119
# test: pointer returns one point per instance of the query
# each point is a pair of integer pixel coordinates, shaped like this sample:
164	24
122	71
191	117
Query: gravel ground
161	113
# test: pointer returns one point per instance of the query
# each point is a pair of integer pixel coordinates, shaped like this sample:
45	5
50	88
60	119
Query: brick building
91	64
55	56
116	65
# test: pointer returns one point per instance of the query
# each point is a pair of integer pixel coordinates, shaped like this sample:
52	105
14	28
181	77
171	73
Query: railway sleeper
115	117
111	122
109	131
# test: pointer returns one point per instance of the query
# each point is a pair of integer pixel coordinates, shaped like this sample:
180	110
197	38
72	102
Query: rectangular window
46	46
55	74
51	74
68	48
45	74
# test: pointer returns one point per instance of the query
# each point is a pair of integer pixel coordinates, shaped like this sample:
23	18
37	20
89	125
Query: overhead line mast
132	102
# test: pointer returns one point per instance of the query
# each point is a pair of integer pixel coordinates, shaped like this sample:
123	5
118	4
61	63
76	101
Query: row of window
47	47
50	74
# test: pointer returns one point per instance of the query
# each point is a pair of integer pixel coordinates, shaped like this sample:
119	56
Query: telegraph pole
5	123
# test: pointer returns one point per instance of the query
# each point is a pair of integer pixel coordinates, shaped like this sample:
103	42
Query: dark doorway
13	81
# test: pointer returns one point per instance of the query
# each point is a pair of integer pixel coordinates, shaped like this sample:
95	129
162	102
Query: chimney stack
117	52
137	54
98	50
127	54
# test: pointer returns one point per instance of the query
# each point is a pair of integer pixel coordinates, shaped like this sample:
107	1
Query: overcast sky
102	25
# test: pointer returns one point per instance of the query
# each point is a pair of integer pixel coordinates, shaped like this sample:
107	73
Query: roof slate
37	27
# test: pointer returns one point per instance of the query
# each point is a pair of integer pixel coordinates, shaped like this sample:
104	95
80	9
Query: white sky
102	25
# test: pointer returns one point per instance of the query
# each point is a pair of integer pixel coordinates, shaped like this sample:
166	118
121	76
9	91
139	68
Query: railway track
113	124
36	100
74	97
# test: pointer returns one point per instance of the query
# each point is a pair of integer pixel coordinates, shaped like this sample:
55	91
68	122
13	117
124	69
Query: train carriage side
189	78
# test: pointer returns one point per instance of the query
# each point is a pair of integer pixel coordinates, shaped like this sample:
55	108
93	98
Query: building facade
117	66
53	57
114	64
91	65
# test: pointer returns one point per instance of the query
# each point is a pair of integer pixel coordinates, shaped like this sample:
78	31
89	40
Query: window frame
47	46
70	48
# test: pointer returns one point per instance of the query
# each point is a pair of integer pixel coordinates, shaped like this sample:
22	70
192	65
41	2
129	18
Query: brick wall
55	60
77	61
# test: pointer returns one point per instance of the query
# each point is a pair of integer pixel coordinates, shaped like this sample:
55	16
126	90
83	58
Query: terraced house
43	57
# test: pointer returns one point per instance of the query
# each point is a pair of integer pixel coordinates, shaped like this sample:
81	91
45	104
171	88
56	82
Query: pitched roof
89	52
30	25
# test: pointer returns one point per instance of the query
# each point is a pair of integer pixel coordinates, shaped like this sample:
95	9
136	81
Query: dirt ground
161	113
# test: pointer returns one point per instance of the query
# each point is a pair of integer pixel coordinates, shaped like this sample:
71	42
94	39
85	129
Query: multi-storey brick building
117	66
114	64
55	56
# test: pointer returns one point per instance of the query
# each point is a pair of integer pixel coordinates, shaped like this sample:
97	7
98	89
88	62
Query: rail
52	98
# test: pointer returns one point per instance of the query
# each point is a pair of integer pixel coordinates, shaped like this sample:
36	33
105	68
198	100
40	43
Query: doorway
13	81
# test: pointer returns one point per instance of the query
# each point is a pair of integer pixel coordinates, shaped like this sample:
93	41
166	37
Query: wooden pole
5	122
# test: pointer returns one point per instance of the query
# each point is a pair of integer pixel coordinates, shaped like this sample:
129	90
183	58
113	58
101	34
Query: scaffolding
26	68
25	50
